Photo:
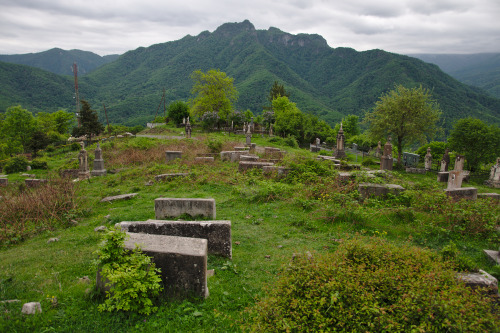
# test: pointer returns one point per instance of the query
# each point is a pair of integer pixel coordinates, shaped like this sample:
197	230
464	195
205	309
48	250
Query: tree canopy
177	111
214	92
479	142
409	115
89	122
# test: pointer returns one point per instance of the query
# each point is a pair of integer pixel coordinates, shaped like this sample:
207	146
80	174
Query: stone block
175	207
242	149
442	177
4	182
386	163
493	196
253	158
480	280
182	260
247	165
367	190
493	255
272	170
468	193
34	182
346	176
231	155
119	197
314	149
69	173
169	176
206	159
272	152
415	170
31	308
97	173
217	233
172	155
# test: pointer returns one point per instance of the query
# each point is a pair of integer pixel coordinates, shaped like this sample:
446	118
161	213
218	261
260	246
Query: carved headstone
494	180
188	129
249	136
83	171
270	129
456	176
386	159
99	169
428	160
378	152
318	142
445	161
340	151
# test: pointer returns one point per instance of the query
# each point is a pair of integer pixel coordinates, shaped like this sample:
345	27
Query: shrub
39	164
75	146
214	145
132	277
291	141
371	286
16	164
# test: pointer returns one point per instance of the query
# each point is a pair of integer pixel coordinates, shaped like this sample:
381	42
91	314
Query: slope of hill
59	61
328	82
480	70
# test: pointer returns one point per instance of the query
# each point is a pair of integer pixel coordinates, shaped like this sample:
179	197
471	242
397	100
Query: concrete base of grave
339	154
416	170
493	255
35	182
346	176
206	159
83	175
69	173
367	190
386	163
4	182
274	153
169	176
493	184
252	158
242	149
314	149
493	196
119	197
271	170
218	233
480	280
232	156
182	260
443	176
175	207
97	173
172	155
246	165
468	193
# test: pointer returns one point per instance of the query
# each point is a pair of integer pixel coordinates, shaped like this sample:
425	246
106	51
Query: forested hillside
328	82
60	61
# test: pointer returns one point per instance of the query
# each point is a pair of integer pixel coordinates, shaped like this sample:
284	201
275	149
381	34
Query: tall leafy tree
409	115
89	122
214	92
479	142
277	90
18	126
177	111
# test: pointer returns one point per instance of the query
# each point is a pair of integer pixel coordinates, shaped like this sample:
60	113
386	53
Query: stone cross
340	151
428	159
98	163
456	176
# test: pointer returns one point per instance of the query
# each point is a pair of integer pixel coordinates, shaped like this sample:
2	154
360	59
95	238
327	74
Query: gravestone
410	160
31	182
270	129
249	136
4	181
188	129
318	142
428	160
386	159
83	171
494	180
455	177
445	161
340	151
98	163
247	165
169	176
378	152
272	170
172	155
175	207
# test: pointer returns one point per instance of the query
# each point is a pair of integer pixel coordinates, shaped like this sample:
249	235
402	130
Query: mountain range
328	82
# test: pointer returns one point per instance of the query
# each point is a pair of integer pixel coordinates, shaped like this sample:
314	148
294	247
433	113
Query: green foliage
214	145
451	253
18	126
291	141
17	163
177	111
132	277
39	164
408	114
277	90
75	146
364	142
371	286
214	92
437	150
476	140
89	122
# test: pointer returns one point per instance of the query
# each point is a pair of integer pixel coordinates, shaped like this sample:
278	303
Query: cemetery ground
309	211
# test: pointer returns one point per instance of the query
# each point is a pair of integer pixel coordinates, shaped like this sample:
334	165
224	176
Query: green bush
17	163
214	145
132	277
39	164
371	285
291	141
75	146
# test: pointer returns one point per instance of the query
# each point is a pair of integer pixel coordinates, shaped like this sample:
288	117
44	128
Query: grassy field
272	219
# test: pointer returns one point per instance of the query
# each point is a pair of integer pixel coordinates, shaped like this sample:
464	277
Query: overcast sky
117	26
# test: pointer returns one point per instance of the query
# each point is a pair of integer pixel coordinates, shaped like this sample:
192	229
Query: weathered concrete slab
218	233
4	182
69	173
273	170
231	155
367	190
169	176
493	255
468	193
206	159
415	170
251	158
328	158
182	260
119	197
242	149
274	153
174	207
172	155
35	182
247	165
494	196
480	280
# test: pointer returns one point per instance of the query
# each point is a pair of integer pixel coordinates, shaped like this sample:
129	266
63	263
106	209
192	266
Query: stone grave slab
34	182
119	197
247	165
175	207
468	193
493	255
494	196
480	280
172	155
278	171
4	182
169	176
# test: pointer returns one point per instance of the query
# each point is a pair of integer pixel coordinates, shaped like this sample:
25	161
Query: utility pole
75	73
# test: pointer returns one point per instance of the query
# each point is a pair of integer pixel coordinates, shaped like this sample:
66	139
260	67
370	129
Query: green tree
476	140
277	90
289	119
18	126
89	122
409	115
177	111
214	92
